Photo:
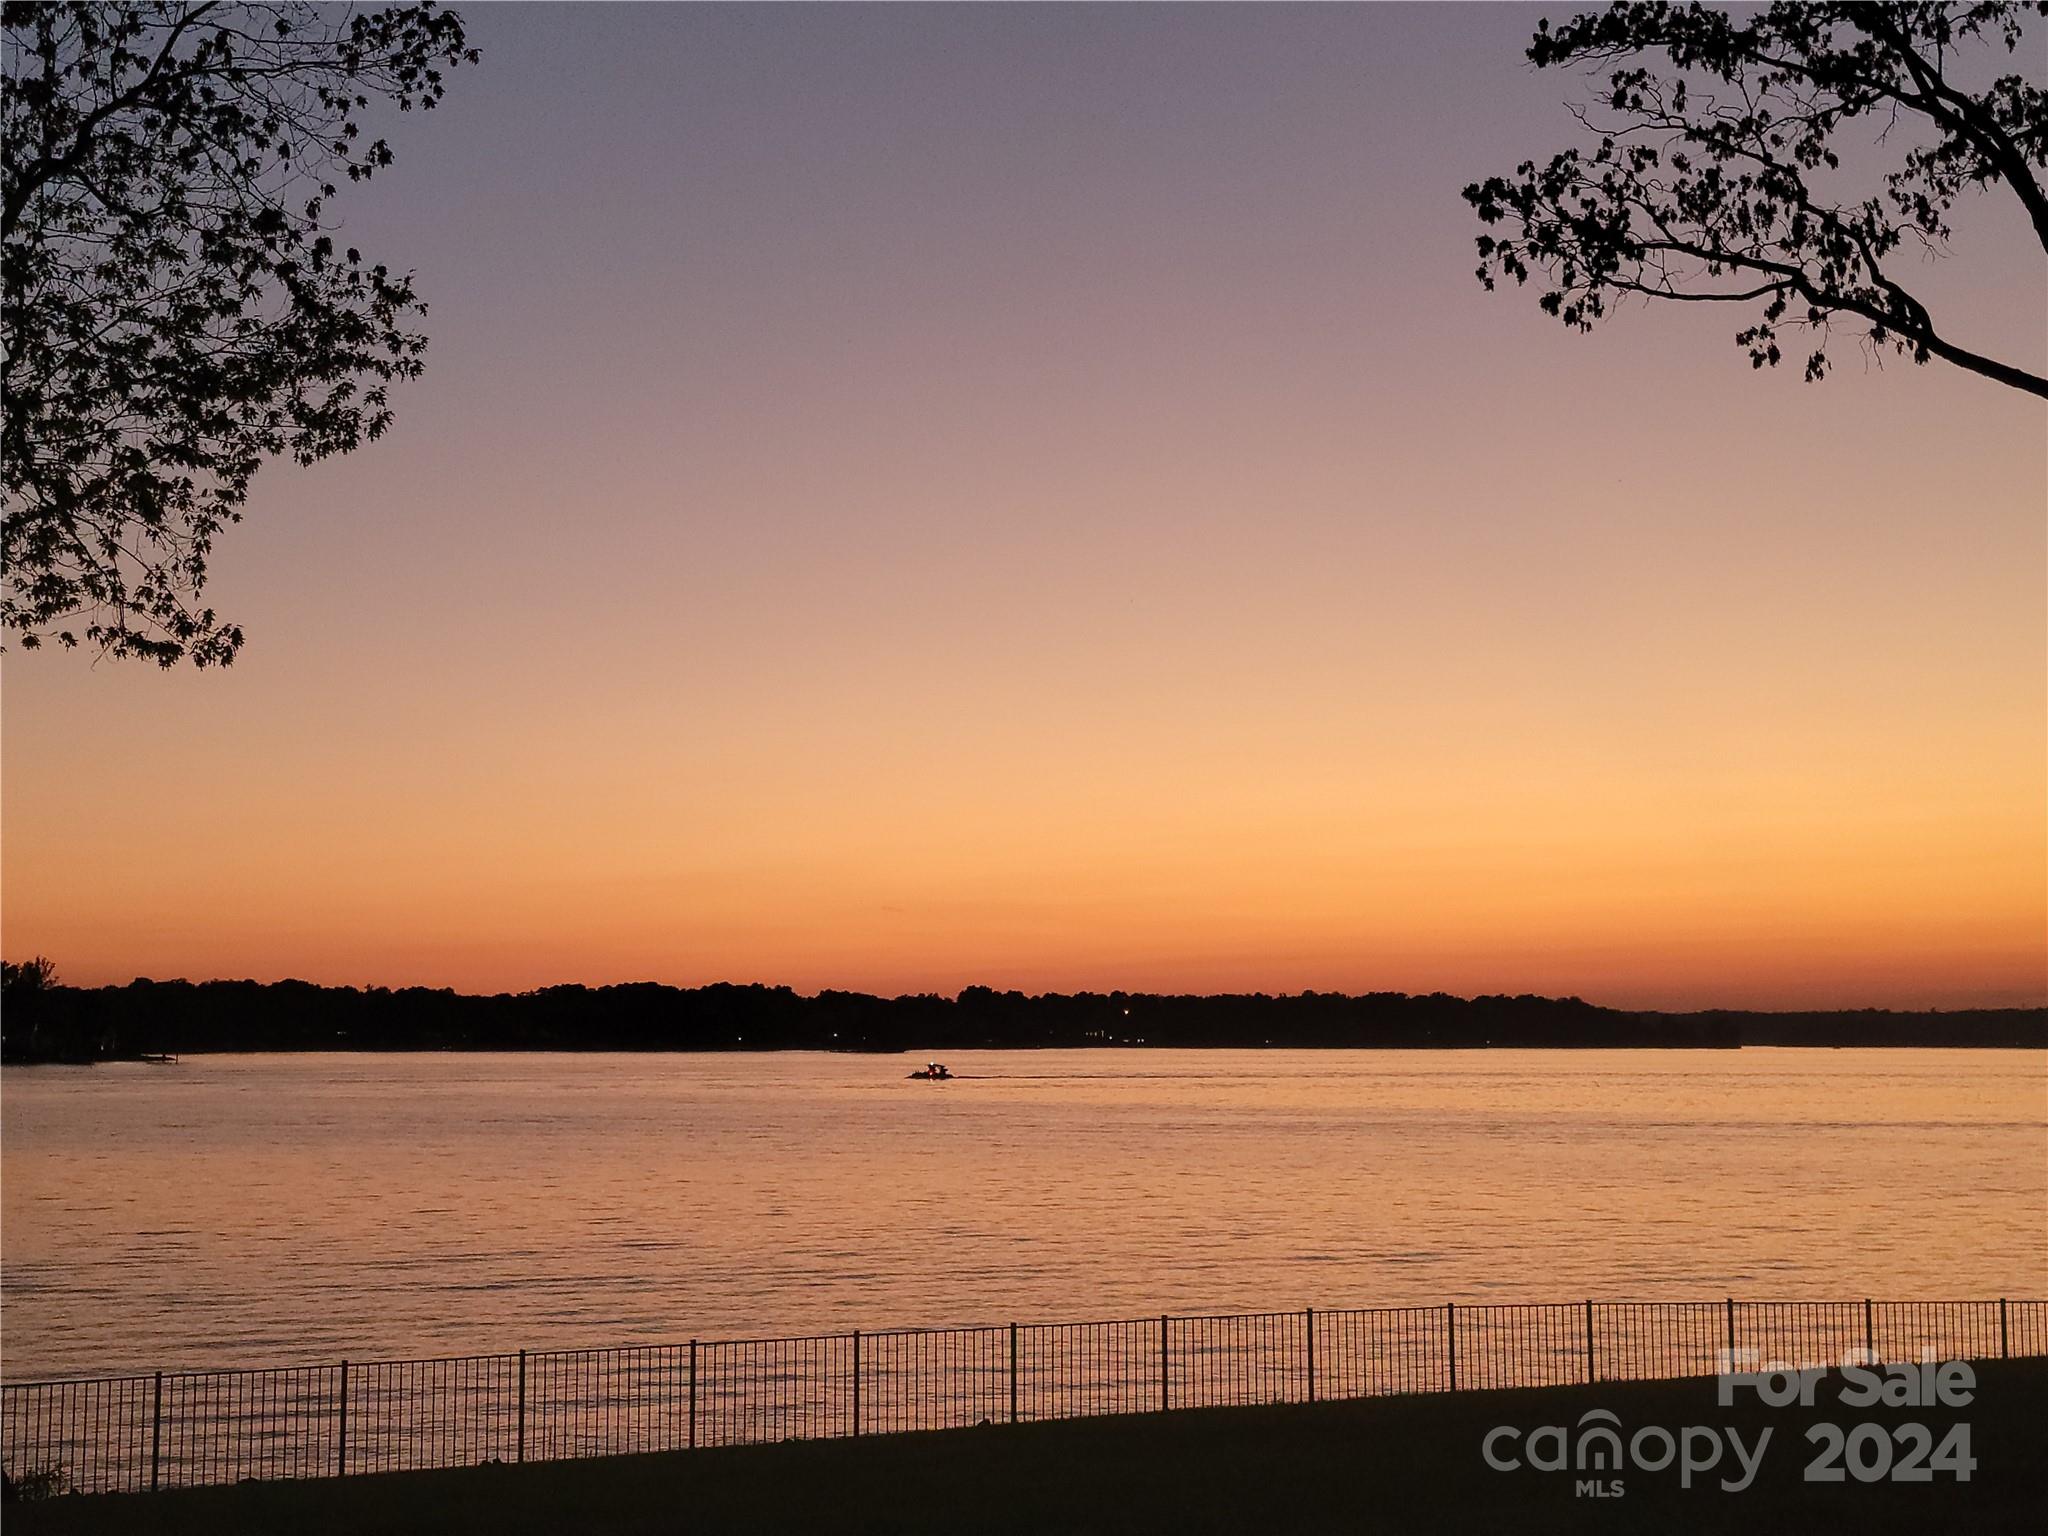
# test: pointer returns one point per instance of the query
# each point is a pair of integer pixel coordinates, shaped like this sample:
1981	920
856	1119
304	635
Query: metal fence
185	1428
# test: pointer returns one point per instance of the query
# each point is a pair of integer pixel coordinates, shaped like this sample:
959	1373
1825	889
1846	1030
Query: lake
255	1210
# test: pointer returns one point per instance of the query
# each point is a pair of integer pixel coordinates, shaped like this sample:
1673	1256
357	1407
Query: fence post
1731	1333
1164	1401
2004	1338
693	1394
1310	1316
856	1383
341	1439
1013	1373
1451	1339
1869	1335
1589	1341
520	1454
156	1433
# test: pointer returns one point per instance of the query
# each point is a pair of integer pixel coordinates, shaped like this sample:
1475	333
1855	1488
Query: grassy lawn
1390	1464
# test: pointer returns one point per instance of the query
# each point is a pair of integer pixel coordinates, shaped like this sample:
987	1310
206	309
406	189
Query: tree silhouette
24	987
175	308
1721	179
19	979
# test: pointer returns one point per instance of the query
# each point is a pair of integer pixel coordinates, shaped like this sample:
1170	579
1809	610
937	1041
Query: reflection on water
238	1210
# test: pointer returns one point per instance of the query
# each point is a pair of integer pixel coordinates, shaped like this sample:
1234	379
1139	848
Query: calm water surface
236	1210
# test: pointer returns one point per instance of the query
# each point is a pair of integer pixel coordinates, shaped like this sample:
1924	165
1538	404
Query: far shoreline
931	1053
43	1022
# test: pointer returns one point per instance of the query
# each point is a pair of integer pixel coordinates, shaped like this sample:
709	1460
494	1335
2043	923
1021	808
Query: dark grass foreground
1395	1464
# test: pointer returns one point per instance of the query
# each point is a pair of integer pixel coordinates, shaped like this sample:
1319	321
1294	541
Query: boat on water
934	1072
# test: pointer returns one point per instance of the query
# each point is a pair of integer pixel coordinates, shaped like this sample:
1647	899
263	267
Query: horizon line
954	998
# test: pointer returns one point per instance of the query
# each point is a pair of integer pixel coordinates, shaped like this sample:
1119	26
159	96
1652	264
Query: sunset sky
911	497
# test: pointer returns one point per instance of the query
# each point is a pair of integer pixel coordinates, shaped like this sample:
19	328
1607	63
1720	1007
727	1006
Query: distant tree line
43	1021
